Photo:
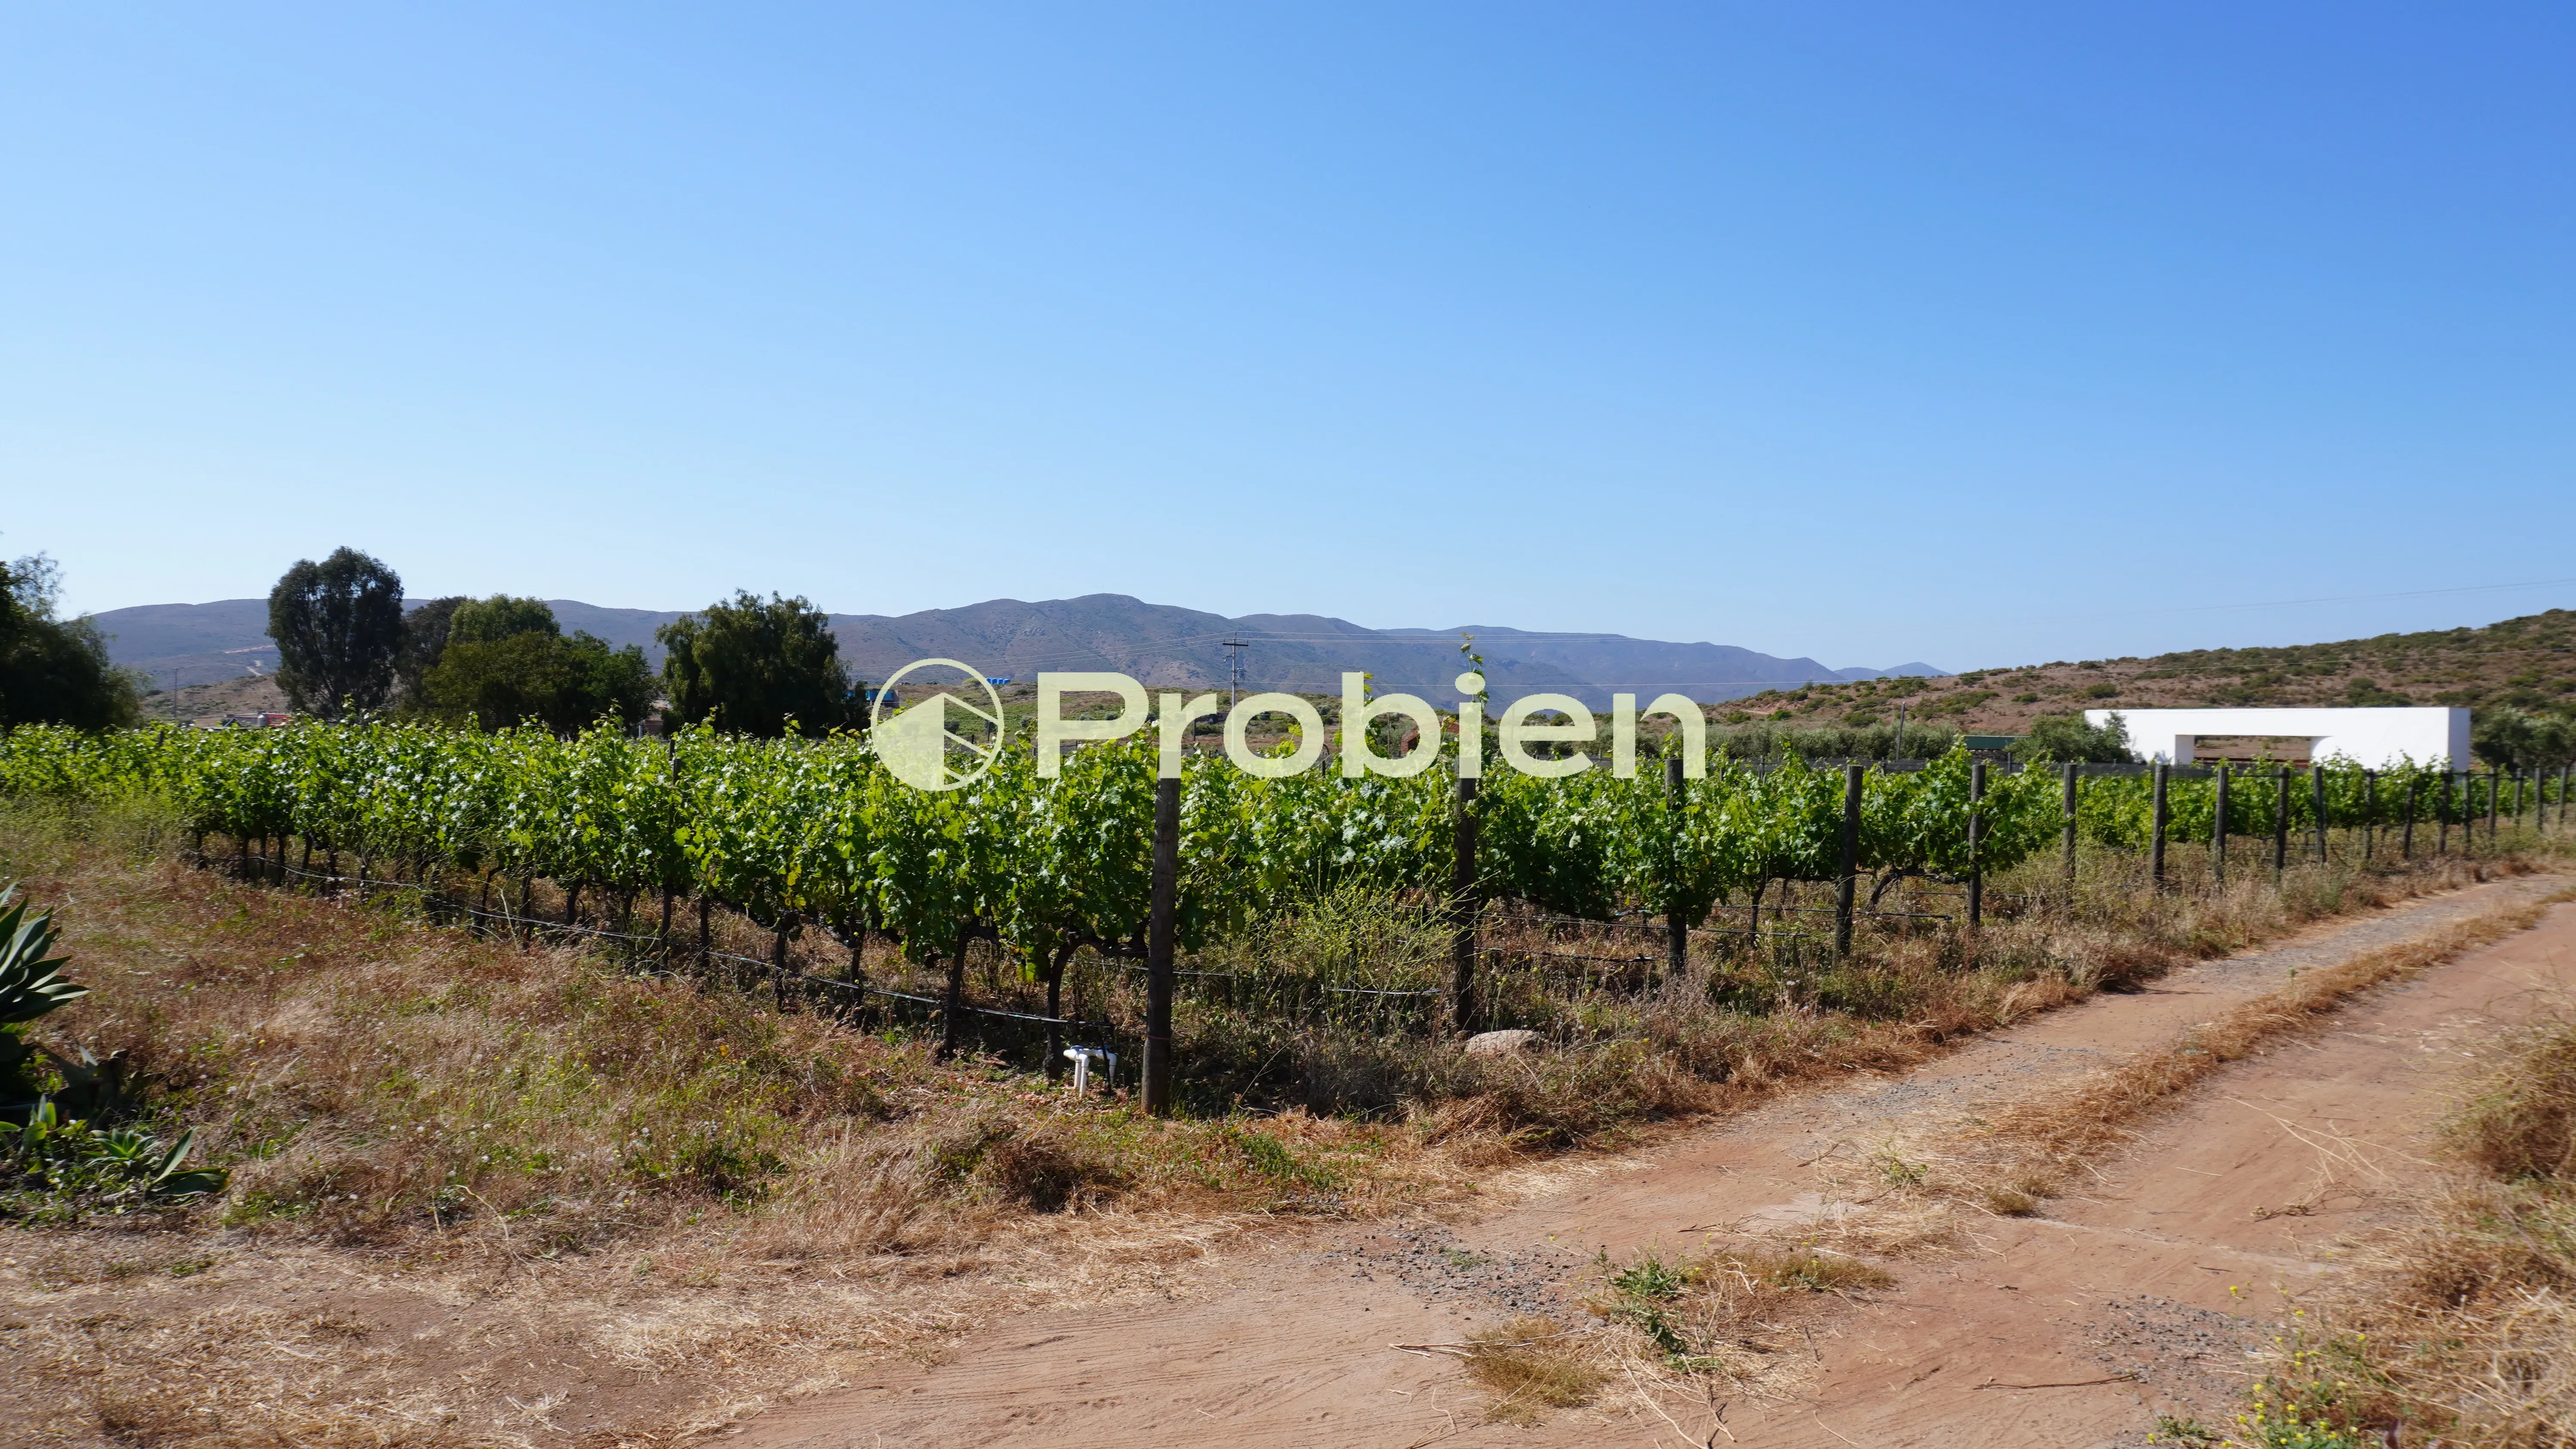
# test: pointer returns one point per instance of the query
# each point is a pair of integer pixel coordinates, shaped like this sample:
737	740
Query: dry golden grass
2034	1144
2460	1328
1533	1365
1731	1318
2520	1120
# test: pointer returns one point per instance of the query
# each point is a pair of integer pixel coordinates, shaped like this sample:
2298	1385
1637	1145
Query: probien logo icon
916	744
920	749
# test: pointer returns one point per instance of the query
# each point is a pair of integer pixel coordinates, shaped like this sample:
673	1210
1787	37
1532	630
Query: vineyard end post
2218	833
2156	836
1158	948
2369	814
2281	823
1976	840
1462	907
2495	801
2070	835
2317	797
1676	929
778	960
1850	862
952	1006
2406	842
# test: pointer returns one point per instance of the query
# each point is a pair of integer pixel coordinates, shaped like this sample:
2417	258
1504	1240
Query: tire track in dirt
1288	1344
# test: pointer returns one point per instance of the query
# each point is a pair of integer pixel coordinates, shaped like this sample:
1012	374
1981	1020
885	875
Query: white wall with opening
2377	739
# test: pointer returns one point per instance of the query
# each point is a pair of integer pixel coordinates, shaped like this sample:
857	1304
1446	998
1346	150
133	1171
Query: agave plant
122	1164
31	984
31	981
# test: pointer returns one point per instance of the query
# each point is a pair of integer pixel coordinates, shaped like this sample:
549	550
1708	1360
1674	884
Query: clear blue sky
1967	333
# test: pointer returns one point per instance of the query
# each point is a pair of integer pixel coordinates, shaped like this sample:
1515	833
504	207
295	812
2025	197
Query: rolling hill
1162	645
2528	663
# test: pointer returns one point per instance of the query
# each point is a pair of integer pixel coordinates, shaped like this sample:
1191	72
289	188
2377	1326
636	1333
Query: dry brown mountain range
2528	662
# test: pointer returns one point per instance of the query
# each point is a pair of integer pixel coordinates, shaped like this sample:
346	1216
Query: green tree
339	627
53	671
486	621
2512	739
506	662
751	666
425	631
2067	738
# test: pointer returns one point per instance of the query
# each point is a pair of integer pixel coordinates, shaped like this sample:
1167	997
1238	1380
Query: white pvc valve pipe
1082	1057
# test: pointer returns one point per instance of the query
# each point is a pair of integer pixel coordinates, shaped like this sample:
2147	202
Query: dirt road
2005	1340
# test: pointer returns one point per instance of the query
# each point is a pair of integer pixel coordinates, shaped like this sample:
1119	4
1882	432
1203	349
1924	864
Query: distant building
2374	738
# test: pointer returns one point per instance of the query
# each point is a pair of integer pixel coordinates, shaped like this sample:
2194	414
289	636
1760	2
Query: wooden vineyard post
1850	863
2517	811
1676	930
2156	840
2317	797
2406	842
778	960
2369	814
1158	948
1462	912
2218	833
952	1005
2442	813
2070	835
2495	802
2281	824
1976	839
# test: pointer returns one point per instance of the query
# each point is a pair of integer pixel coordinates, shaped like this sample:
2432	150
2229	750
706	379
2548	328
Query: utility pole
1234	669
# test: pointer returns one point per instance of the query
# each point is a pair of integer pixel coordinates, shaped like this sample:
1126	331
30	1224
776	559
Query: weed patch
1532	1365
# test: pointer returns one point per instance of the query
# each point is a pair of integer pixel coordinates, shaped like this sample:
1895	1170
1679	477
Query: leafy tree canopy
2513	739
486	621
751	666
563	684
54	671
339	627
2066	738
425	630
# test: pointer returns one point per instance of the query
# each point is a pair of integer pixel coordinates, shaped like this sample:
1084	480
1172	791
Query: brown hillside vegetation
2528	663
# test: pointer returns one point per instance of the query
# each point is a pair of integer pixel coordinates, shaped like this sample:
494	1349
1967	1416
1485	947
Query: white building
2376	739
